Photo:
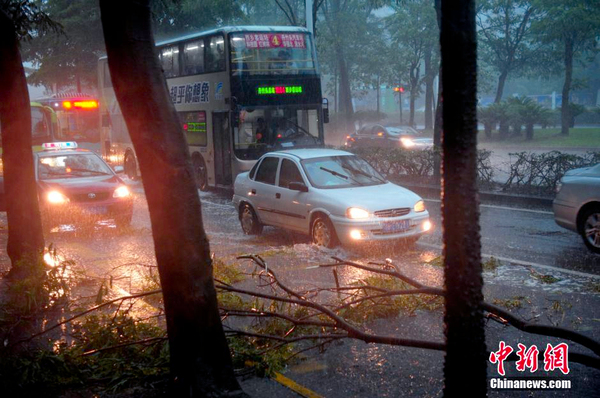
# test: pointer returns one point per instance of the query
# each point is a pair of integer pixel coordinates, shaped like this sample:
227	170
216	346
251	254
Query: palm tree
488	116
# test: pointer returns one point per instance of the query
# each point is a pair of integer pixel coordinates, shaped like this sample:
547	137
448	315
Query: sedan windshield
341	172
72	165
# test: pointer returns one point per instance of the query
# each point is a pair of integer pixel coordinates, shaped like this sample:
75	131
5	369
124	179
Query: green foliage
71	58
256	355
116	365
511	303
546	279
506	43
491	264
387	307
30	21
227	273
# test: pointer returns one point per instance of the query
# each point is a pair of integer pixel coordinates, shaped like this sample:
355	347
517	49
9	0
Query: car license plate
395	226
97	210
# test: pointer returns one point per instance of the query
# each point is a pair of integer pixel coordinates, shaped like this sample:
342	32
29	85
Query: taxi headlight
121	192
407	142
356	212
420	206
56	198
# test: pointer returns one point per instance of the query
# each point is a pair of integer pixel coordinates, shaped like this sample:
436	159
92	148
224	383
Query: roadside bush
395	163
540	172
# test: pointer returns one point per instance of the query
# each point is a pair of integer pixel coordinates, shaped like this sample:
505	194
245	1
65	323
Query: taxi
77	186
333	196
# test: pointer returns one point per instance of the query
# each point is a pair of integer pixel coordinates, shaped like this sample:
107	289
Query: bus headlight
56	198
121	192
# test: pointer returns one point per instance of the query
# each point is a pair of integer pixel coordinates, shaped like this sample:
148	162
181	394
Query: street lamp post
399	90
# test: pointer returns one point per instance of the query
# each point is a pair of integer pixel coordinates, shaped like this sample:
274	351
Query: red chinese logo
500	355
527	359
557	357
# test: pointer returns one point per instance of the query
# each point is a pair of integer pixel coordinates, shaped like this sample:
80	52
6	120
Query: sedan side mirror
118	169
298	186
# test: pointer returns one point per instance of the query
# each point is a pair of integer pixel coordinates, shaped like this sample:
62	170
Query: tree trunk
487	128
200	359
565	111
429	77
503	129
25	237
466	362
414	86
529	131
438	125
501	83
345	90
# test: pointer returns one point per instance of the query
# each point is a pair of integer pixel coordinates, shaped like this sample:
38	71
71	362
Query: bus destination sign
277	90
274	40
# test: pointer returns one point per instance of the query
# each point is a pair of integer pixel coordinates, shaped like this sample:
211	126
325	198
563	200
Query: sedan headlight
419	206
559	185
407	142
121	192
356	212
56	198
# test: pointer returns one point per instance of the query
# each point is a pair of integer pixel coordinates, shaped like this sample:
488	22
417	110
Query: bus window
39	125
106	76
262	130
194	125
215	56
169	59
271	54
193	57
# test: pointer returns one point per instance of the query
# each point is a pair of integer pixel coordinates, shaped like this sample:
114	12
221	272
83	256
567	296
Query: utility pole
310	25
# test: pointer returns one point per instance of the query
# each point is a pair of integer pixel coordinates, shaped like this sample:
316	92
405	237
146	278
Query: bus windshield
260	130
272	54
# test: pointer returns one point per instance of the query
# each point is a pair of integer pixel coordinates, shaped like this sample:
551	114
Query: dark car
76	186
376	135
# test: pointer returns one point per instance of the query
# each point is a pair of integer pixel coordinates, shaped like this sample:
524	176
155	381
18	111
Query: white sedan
333	196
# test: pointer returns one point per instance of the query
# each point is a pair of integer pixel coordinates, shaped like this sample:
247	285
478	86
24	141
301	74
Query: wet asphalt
527	242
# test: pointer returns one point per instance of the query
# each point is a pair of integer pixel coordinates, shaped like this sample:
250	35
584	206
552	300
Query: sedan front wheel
590	231
323	233
249	221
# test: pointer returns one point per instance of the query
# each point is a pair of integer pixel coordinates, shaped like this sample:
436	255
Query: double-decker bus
239	92
77	114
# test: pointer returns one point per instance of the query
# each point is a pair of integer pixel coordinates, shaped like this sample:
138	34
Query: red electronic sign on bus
275	40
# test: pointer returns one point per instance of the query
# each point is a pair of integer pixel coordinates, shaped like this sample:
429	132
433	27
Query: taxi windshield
341	172
70	166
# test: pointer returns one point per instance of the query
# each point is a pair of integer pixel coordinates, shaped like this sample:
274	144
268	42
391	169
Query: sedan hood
82	185
373	198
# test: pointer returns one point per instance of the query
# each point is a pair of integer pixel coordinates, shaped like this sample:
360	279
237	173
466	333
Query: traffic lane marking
297	388
525	263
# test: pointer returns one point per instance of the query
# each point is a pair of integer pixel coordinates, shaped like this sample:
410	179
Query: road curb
501	198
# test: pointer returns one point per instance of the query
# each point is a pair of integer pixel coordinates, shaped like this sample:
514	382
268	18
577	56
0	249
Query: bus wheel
130	166
199	171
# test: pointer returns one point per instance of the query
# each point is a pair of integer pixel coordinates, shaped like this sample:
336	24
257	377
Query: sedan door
291	206
263	189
